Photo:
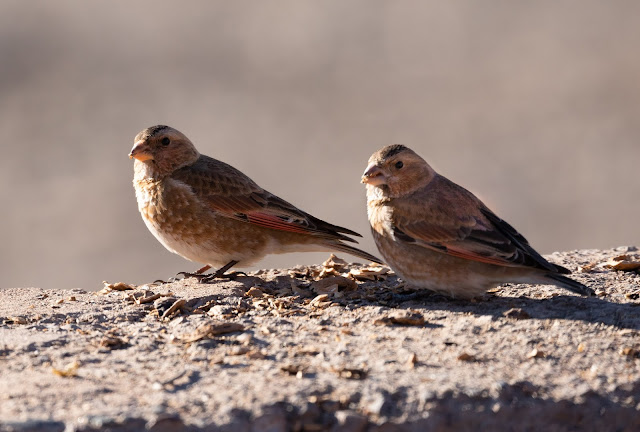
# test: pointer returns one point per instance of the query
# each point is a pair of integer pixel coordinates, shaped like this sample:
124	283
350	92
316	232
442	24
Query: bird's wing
449	219
229	192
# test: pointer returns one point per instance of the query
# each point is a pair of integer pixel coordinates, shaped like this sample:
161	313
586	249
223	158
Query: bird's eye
165	141
399	164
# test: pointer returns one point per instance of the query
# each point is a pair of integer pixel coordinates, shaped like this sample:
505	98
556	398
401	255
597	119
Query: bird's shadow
568	307
563	306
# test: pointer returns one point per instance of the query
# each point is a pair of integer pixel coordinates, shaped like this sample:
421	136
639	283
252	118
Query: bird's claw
208	278
220	275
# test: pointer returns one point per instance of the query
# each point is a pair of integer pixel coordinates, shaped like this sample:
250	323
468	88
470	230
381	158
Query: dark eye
165	141
399	164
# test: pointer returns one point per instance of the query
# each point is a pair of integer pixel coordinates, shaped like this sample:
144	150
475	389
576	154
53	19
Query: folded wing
229	192
456	223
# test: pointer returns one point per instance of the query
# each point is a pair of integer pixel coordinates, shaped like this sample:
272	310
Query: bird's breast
169	209
380	217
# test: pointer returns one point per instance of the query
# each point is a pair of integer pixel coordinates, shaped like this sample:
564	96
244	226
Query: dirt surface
321	348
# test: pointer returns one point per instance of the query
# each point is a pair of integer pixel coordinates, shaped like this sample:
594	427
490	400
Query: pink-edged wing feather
229	192
455	222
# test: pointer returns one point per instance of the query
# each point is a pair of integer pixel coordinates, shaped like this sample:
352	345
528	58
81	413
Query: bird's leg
220	273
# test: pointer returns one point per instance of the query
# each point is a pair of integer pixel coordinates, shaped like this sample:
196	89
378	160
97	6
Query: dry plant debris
625	262
405	318
213	328
69	370
175	307
517	313
371	273
15	320
118	286
333	284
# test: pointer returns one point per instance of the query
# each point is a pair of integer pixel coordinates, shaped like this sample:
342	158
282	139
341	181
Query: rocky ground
333	347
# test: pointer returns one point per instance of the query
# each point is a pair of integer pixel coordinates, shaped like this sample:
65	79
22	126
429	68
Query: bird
436	235
209	212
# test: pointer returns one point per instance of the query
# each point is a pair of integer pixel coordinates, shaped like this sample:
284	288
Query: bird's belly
187	228
423	268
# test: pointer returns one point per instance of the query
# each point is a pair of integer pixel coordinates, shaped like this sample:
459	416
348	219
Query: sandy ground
322	348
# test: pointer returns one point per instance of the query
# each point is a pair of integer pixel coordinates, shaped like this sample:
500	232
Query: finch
209	212
437	235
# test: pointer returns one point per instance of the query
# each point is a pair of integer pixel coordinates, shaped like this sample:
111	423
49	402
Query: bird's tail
355	251
569	284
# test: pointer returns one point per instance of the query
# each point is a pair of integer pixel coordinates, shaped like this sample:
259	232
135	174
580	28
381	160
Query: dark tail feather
570	284
355	251
334	231
561	270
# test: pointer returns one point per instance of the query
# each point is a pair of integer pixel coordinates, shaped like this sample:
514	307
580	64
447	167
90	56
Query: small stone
412	360
407	318
517	313
349	421
536	353
630	352
466	357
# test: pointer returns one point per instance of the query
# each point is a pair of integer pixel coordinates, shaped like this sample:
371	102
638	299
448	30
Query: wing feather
457	223
229	192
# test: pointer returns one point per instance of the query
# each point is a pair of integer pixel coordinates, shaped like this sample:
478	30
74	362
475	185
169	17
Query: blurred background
533	106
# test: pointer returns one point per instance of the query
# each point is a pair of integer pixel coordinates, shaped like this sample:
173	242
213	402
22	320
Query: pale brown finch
437	235
209	212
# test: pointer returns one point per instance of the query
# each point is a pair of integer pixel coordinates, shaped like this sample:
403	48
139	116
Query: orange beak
141	151
373	175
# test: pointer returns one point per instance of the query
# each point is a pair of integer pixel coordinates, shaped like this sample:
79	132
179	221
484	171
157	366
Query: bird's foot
183	275
219	274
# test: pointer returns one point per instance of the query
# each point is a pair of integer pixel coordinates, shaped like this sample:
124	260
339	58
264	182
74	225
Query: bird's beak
373	175
141	151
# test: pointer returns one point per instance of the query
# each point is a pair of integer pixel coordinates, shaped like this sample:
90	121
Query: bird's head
163	149
397	170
